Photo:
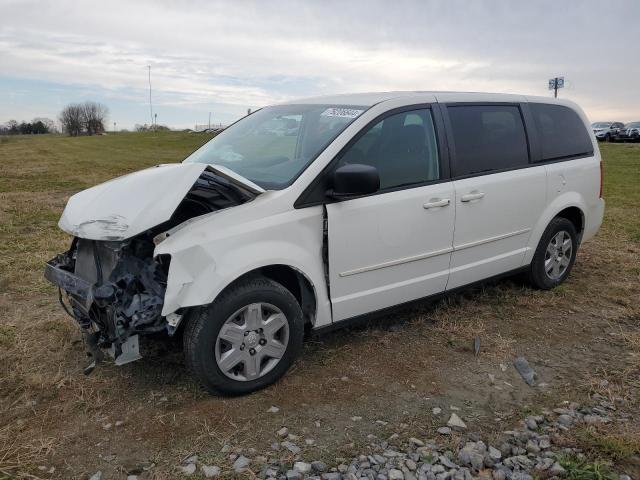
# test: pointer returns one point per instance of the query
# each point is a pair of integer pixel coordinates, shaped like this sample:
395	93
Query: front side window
487	138
274	145
561	132
402	147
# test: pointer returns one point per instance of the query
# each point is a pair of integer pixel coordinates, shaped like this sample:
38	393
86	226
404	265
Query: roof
371	98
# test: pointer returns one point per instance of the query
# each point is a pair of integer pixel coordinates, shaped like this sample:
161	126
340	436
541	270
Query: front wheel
555	254
246	339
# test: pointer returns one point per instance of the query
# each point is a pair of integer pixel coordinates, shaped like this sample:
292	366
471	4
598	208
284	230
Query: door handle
472	196
434	203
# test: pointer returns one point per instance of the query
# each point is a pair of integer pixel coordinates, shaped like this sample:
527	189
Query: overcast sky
225	57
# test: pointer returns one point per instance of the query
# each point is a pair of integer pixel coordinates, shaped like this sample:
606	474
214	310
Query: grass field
582	337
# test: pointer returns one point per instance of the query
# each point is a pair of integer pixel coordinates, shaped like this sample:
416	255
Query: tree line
34	127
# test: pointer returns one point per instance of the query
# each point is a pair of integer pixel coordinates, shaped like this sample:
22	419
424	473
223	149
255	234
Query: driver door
393	246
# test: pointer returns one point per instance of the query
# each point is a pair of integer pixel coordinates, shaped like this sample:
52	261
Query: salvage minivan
306	214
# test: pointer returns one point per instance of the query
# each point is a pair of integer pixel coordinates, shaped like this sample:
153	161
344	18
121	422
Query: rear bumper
593	220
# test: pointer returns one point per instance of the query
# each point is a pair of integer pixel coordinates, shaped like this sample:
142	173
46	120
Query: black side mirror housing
354	180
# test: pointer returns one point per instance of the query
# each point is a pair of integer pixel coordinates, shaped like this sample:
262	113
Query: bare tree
88	117
94	116
71	119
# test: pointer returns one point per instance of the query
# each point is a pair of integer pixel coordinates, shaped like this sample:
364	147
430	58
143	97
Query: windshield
601	125
272	146
633	125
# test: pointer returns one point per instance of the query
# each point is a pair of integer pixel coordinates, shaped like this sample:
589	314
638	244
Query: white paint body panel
492	233
387	247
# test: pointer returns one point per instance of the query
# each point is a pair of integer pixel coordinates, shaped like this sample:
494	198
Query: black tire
538	276
204	324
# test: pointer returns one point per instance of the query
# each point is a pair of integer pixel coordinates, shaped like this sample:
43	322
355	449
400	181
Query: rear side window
561	132
487	138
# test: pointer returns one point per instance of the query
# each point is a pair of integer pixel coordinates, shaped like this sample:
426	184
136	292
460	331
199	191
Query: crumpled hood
126	206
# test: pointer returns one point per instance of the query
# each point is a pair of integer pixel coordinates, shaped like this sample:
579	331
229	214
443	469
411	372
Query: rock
544	443
107	426
119	423
532	447
96	476
241	463
624	477
132	477
436	410
410	464
302	467
456	422
273	409
565	419
191	459
557	470
444	431
395	474
356	419
446	462
283	432
544	464
188	469
499	475
531	424
417	442
318	466
525	371
331	476
292	447
294	475
210	471
309	441
494	454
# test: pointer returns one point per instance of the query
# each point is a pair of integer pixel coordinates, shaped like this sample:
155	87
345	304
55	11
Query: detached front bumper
79	291
114	290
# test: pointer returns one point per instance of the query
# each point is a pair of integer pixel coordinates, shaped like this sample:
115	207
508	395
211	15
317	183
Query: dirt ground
144	418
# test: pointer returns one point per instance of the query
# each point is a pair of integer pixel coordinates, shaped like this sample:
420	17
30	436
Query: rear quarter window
561	132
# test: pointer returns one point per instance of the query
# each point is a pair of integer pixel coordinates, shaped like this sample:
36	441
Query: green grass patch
578	469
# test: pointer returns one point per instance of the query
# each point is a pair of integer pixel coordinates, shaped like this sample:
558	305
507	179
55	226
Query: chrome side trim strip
399	261
415	258
490	239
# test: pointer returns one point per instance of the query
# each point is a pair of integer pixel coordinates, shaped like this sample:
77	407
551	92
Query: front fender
206	258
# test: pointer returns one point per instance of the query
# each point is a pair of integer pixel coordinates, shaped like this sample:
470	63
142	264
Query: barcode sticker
341	112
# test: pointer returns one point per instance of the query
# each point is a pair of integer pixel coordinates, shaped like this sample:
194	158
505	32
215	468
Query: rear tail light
601	177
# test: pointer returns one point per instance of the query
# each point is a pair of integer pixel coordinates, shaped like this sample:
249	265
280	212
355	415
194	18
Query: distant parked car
629	133
606	131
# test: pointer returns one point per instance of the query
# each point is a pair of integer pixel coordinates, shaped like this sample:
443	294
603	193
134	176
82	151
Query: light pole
114	127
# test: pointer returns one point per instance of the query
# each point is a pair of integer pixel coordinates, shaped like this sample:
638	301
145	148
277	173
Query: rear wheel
246	339
555	254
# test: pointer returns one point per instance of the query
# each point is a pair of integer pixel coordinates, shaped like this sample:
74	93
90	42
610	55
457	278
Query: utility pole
155	121
114	127
150	104
209	120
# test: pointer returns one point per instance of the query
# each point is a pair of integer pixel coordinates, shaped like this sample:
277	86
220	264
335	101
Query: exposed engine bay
115	289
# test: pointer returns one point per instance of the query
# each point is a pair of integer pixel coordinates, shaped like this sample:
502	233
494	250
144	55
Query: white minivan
306	214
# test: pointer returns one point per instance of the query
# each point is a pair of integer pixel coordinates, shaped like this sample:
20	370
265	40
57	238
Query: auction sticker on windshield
341	112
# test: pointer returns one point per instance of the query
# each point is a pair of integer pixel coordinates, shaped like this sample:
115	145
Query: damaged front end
115	288
115	291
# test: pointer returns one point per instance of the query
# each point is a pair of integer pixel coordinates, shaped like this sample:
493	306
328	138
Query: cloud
248	54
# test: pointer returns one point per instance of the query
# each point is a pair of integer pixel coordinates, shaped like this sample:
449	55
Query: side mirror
354	180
